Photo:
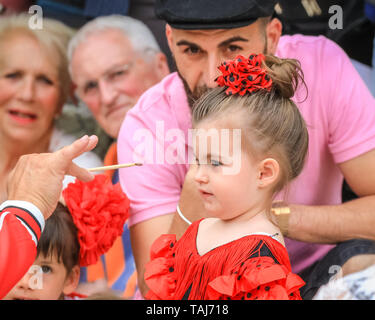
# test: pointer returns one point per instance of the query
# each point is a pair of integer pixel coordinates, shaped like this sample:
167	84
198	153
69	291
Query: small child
75	235
55	272
238	252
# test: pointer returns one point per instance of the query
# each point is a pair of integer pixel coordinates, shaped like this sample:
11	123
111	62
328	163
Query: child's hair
272	125
59	237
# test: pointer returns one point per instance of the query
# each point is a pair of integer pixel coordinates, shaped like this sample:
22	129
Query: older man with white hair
113	60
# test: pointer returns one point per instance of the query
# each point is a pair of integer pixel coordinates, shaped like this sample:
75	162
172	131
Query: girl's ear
269	171
71	281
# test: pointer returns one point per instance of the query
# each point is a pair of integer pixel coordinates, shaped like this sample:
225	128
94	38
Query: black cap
212	14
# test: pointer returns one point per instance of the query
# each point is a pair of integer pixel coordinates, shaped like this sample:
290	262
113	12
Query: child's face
46	279
226	193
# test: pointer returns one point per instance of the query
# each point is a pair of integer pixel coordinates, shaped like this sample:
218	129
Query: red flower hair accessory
99	210
244	75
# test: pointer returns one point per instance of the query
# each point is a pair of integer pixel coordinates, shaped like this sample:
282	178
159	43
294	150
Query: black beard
192	96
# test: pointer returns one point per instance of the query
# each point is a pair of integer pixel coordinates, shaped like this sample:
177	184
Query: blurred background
355	34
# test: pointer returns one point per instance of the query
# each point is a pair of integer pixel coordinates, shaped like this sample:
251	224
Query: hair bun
285	73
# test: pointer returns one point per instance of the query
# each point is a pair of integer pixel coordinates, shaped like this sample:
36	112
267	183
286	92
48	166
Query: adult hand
37	178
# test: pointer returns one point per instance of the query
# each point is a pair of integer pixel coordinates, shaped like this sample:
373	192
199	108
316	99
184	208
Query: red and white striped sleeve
21	225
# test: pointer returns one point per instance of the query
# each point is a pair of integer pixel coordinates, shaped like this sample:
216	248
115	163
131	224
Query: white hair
139	35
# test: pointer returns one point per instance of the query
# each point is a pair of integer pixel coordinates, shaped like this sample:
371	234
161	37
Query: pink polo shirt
339	112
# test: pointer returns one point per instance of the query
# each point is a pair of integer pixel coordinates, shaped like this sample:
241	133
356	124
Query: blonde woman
34	85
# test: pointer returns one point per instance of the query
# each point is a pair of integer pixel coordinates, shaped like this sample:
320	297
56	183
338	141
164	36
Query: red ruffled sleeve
159	274
257	278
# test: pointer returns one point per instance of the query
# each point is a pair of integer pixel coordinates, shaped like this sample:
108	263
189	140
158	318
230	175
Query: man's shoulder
165	102
161	94
294	46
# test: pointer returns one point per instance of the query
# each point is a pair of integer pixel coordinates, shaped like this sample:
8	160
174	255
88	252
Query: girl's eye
46	269
215	163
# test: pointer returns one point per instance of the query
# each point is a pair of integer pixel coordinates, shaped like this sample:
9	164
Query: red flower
99	210
244	75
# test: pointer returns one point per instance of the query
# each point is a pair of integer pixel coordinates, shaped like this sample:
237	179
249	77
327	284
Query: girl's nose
201	175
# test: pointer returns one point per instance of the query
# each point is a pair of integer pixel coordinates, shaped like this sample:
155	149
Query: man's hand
37	178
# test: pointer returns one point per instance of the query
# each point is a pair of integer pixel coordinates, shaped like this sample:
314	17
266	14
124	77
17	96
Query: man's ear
71	281
273	34
168	34
269	171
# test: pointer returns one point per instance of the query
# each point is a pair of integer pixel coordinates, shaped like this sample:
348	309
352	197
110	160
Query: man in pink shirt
339	112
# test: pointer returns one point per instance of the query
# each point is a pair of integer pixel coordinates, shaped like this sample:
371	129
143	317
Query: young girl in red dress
250	141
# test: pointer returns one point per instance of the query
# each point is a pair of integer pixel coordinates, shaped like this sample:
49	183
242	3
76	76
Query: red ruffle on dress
252	267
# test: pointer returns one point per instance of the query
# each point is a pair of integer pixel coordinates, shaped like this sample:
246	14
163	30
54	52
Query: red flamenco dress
250	268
